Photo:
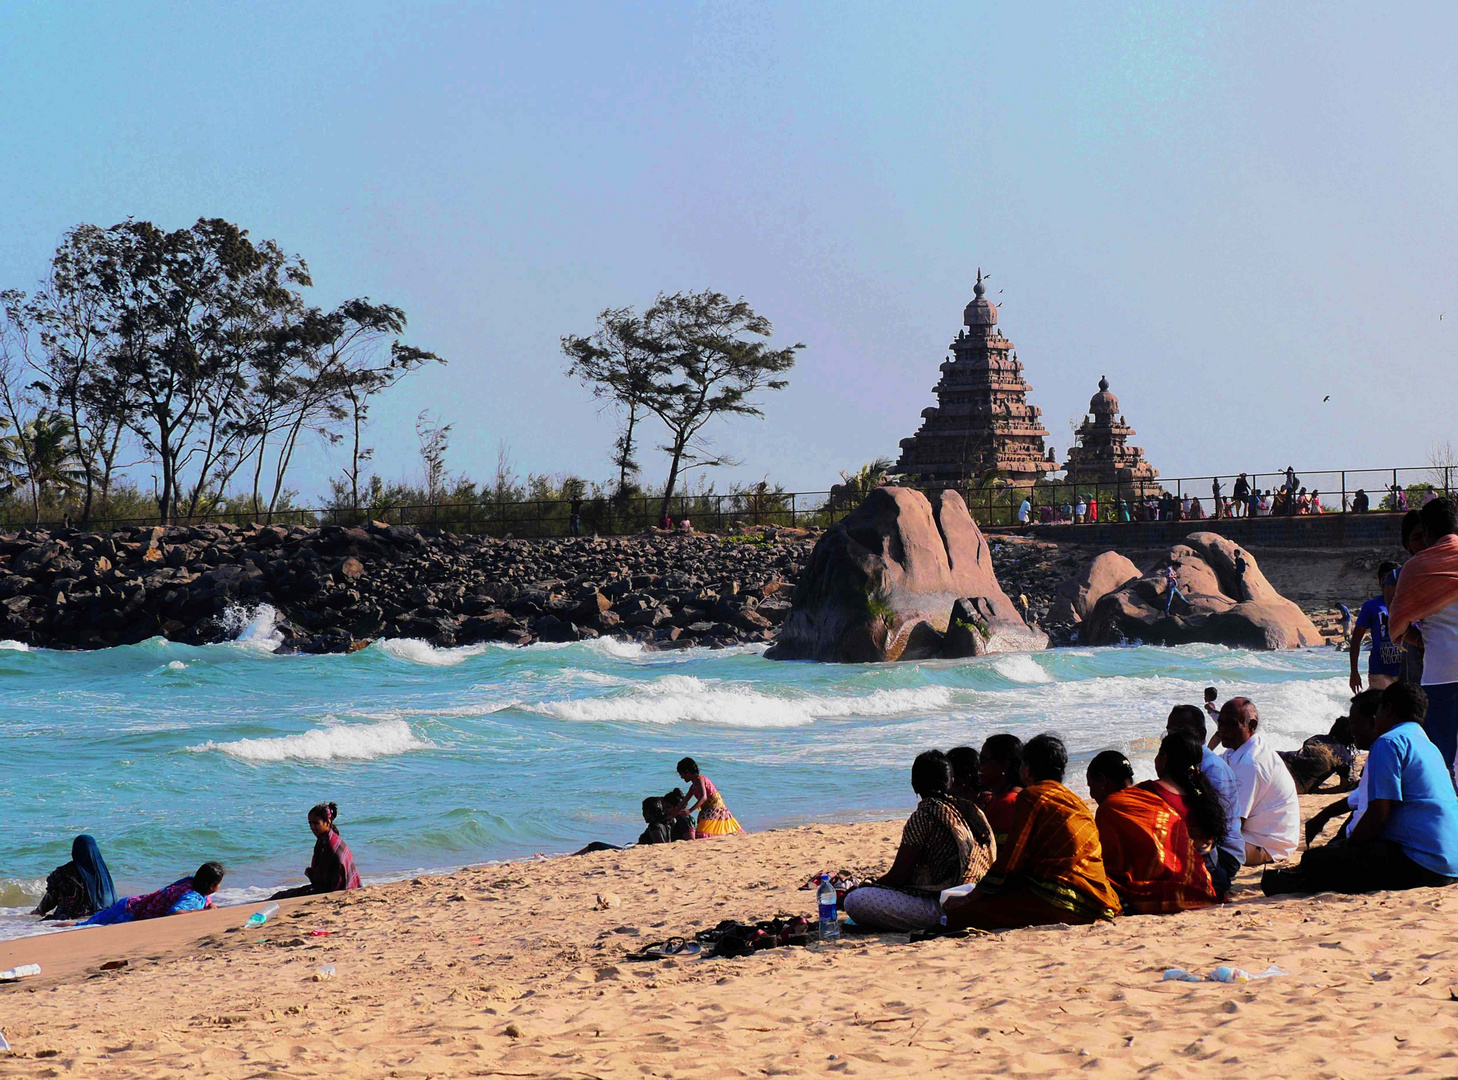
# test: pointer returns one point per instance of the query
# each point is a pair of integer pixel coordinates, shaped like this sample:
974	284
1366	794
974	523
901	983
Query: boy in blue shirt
1408	836
1384	664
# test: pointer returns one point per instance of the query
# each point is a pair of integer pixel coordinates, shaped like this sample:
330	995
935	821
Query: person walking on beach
1384	662
1427	590
1266	799
714	816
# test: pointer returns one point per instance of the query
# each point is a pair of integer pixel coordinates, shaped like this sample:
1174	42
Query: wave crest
337	742
675	699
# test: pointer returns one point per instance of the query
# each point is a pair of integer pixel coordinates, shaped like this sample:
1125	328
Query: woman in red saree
1051	870
1154	834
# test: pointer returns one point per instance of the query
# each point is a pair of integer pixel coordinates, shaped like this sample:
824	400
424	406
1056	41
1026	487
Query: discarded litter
325	972
4	1046
113	965
258	918
15	974
1222	974
318	933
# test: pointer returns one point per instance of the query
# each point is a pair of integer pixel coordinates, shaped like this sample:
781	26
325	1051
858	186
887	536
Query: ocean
171	755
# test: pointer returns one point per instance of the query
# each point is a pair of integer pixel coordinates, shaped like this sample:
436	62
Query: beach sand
517	970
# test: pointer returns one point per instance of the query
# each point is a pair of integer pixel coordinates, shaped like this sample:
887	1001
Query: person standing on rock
1242	591
1172	589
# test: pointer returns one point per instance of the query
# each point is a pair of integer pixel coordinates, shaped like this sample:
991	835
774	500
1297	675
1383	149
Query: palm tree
855	486
55	471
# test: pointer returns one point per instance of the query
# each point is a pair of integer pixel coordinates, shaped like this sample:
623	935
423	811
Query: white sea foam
416	651
675	699
254	628
335	742
14	646
1021	668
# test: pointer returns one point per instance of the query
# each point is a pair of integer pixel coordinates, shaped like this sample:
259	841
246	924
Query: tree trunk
679	443
625	450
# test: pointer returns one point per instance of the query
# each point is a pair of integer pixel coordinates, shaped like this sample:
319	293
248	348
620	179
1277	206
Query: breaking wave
337	742
675	699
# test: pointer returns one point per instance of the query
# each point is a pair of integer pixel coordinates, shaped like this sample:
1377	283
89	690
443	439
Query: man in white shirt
1025	511
1225	858
1270	813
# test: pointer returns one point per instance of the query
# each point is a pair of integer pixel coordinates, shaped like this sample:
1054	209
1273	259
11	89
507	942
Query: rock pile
337	587
1227	600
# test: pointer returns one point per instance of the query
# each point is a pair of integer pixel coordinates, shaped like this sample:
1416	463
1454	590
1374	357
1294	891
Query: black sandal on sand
662	950
942	932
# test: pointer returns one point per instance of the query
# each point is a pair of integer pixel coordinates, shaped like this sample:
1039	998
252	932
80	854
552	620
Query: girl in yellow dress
714	816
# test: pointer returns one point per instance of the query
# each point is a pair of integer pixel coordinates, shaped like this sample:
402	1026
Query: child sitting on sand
680	825
714	816
1001	764
333	867
185	894
656	815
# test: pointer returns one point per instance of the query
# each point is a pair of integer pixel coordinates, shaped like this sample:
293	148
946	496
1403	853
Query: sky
1232	211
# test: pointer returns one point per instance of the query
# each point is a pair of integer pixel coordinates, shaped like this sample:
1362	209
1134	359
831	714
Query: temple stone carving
982	420
1102	454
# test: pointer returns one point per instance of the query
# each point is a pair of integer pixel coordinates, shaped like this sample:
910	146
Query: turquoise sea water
171	754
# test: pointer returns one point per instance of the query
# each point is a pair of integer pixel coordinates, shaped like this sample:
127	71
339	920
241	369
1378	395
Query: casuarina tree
691	357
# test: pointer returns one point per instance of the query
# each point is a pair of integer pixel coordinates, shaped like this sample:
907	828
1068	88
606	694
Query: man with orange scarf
1051	870
1427	590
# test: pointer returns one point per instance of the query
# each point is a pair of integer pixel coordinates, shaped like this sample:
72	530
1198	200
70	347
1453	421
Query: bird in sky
1327	398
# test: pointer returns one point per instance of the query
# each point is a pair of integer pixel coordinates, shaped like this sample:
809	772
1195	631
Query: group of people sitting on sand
82	890
671	817
1004	822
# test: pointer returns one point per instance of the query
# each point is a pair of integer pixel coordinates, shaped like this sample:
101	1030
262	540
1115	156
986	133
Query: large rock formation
1075	598
1226	606
883	583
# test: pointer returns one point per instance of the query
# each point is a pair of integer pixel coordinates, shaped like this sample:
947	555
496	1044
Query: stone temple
1102	454
982	420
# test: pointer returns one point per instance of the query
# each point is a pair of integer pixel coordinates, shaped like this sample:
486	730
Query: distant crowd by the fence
992	503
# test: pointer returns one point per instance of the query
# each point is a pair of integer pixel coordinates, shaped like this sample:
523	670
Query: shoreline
519	969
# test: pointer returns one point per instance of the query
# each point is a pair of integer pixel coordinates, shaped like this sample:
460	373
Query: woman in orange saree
1154	834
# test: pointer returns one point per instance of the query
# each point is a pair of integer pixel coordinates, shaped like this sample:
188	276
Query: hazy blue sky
1230	210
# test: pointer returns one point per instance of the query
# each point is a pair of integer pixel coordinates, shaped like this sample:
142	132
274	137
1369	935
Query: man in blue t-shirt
1408	836
1384	663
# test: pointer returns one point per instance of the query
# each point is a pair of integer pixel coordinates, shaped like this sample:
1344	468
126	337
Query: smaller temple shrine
1102	454
982	422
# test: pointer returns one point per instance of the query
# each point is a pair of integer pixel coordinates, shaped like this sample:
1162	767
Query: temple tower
982	420
1102	454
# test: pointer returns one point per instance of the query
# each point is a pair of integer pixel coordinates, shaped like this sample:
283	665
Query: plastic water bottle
258	918
15	974
829	918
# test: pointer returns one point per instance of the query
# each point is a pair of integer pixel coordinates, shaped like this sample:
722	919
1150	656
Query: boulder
1076	596
881	585
1239	609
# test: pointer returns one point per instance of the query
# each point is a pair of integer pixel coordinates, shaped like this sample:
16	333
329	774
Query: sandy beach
518	970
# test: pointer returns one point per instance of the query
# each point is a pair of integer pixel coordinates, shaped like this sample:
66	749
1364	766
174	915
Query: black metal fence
1328	491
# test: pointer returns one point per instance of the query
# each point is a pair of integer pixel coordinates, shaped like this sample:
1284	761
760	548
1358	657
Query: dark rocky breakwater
337	587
